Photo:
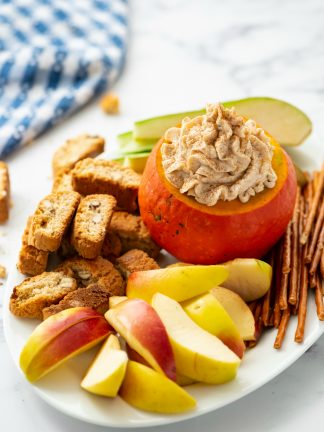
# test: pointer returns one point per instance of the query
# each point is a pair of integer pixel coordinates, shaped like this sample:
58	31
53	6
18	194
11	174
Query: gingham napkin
55	55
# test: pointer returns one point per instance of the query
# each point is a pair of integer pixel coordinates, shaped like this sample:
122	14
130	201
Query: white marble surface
182	54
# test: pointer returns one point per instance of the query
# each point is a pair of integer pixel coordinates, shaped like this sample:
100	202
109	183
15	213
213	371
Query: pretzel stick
282	328
312	280
252	306
258	310
318	252
270	322
294	274
277	276
300	251
322	264
266	307
285	269
319	298
312	210
315	234
258	324
302	310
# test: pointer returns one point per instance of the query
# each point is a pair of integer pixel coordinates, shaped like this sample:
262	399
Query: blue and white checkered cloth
55	55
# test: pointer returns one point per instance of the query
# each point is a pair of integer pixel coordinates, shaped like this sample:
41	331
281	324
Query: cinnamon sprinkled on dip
218	156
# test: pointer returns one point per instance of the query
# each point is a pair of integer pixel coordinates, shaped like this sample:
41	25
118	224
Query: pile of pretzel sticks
298	266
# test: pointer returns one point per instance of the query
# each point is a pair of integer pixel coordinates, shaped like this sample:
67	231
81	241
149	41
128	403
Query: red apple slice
61	337
138	323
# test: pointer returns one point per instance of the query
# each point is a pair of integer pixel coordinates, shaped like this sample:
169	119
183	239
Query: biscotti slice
135	260
93	296
99	271
31	261
112	247
52	219
63	182
92	176
113	283
34	294
4	192
91	223
76	149
133	233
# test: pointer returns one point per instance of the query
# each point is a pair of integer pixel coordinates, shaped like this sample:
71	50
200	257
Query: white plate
61	388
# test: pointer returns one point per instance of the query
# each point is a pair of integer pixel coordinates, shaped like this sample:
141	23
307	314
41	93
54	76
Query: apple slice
107	371
154	127
250	278
137	161
198	354
179	283
208	313
133	355
184	381
238	310
285	122
61	337
115	300
139	324
148	390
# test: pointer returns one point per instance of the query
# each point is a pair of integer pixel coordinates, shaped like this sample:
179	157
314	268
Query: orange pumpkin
198	234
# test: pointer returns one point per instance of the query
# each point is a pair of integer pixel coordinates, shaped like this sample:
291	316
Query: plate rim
161	419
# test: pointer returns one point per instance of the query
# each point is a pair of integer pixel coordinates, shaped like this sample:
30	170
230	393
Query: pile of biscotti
91	221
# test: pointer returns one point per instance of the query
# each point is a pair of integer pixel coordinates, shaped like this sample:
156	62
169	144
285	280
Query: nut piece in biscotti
93	296
63	182
34	294
133	233
76	149
91	176
99	270
52	219
112	247
4	192
31	261
91	223
135	260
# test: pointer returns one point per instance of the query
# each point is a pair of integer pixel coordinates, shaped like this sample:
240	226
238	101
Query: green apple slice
136	161
124	139
285	122
128	145
153	128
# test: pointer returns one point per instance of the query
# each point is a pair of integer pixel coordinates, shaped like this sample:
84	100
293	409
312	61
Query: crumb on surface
109	103
3	272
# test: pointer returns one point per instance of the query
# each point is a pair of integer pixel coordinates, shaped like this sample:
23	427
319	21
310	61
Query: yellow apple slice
238	310
208	313
107	371
198	354
250	278
148	390
115	300
179	283
61	337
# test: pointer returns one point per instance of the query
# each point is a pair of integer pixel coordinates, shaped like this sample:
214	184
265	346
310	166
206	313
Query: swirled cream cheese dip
218	156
